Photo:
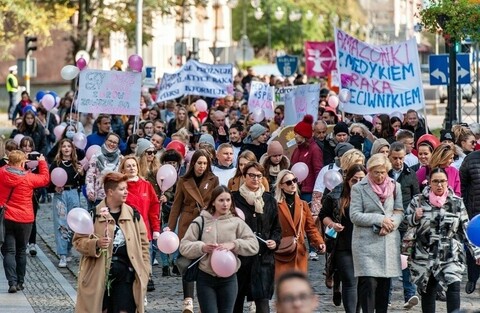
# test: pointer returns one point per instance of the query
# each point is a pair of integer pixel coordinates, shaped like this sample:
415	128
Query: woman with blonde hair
180	121
182	135
148	163
236	181
464	144
351	157
442	157
376	211
296	221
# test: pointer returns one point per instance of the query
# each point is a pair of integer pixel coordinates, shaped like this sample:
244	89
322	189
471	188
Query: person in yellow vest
12	88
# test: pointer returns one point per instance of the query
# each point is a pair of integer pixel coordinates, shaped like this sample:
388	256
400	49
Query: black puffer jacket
470	183
409	182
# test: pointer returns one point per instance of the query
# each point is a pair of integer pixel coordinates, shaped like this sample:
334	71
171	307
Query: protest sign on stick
301	101
261	97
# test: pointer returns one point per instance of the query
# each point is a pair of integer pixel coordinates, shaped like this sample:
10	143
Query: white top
223	175
411	160
319	182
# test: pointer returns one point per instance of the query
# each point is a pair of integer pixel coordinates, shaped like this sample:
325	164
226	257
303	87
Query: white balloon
69	72
344	95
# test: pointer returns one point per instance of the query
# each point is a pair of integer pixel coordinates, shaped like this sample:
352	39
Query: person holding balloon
143	198
32	128
193	193
440	221
296	221
16	193
257	273
225	236
115	262
67	178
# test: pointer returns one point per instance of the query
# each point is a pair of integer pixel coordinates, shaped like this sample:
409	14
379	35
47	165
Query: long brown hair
217	192
59	156
191	168
345	197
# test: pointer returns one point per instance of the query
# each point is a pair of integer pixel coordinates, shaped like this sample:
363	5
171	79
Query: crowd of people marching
400	208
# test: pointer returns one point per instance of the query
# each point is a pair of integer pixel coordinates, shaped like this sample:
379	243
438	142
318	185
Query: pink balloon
404	261
166	176
91	151
201	105
345	95
57	101
32	164
224	263
80	221
332	179
168	242
240	213
57	117
59	177
258	115
84	163
48	102
135	62
18	138
81	63
58	131
333	102
300	170
80	140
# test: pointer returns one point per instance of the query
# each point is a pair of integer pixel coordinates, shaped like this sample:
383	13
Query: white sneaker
187	305
32	250
155	262
413	301
313	256
251	307
63	261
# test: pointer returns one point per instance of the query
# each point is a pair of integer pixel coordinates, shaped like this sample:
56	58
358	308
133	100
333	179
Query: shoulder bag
287	249
189	268
2	218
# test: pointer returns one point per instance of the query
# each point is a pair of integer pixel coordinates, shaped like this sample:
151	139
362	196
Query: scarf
384	190
253	198
108	160
437	201
274	170
237	144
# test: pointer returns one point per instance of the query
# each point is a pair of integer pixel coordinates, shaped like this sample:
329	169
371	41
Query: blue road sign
287	64
439	69
150	72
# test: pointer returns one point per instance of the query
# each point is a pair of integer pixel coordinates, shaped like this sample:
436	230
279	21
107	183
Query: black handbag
189	268
2	218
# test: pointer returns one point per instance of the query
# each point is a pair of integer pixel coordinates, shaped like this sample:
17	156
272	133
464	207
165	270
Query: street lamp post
138	28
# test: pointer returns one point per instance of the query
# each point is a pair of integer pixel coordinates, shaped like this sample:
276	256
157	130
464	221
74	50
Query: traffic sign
439	69
287	64
150	76
21	67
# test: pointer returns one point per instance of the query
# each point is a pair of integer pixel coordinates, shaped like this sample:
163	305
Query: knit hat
341	127
447	135
207	138
342	147
274	148
305	127
379	144
256	131
142	146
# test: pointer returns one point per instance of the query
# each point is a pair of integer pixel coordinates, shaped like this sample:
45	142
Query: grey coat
375	255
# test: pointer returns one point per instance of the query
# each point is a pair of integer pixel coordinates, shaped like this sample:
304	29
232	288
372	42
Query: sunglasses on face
291	182
150	152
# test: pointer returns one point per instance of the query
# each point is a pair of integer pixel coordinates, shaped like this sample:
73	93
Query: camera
33	156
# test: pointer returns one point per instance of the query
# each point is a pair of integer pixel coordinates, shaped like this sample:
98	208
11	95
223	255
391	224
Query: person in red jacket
16	192
308	152
142	197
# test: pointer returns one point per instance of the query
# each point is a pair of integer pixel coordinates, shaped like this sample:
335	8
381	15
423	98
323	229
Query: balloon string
198	260
261	239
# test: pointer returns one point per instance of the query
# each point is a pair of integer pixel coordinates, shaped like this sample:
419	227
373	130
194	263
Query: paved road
51	290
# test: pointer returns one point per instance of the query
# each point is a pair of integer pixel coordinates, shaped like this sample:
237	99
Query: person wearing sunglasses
296	220
440	220
256	273
335	216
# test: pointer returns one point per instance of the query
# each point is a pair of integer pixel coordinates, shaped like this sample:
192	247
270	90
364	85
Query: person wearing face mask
340	134
67	133
143	198
361	138
256	141
194	191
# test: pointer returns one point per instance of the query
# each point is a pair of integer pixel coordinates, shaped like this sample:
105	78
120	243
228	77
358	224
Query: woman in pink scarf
376	211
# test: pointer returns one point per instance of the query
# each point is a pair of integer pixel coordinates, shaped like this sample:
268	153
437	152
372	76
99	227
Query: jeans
344	264
373	293
473	270
33	234
63	203
12	98
216	294
14	251
429	297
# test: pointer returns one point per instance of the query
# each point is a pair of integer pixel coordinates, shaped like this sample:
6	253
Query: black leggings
33	233
429	297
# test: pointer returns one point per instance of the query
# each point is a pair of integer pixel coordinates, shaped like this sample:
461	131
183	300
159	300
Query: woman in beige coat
115	263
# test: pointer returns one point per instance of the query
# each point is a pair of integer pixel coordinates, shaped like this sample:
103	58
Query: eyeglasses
355	134
291	182
291	299
254	176
112	142
150	152
439	182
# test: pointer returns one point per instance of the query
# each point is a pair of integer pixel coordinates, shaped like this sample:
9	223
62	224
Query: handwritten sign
195	78
381	79
261	96
281	93
301	101
111	92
